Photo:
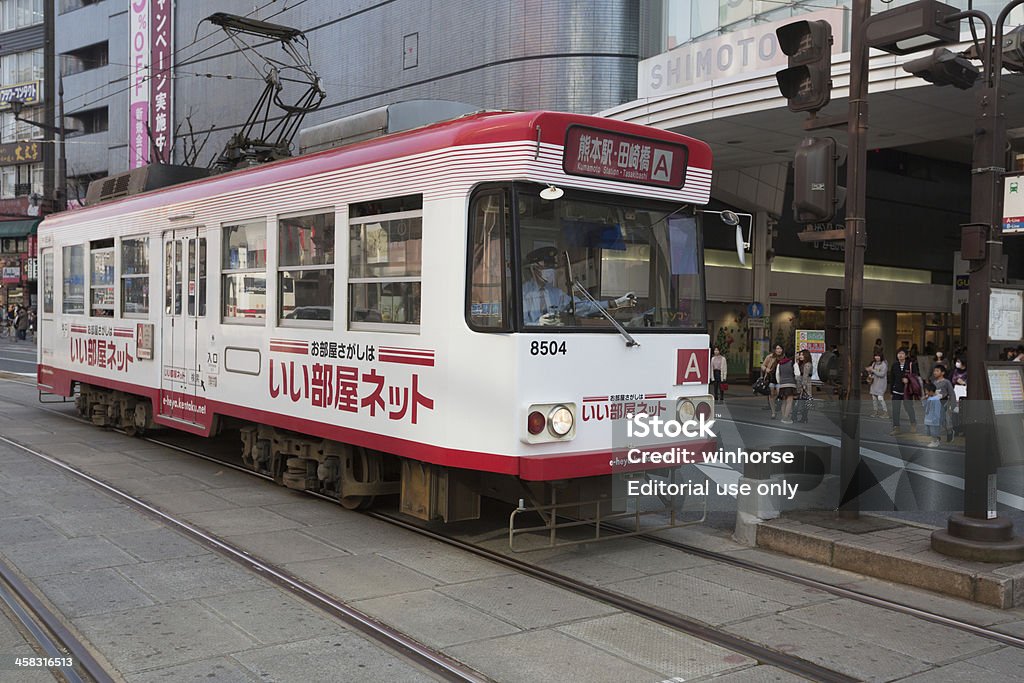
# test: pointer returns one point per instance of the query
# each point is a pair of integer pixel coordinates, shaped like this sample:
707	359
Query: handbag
914	386
761	386
724	386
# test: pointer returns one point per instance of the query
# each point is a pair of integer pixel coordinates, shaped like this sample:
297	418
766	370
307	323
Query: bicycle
6	330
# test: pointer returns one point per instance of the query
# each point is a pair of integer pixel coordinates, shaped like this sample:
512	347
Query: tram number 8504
547	348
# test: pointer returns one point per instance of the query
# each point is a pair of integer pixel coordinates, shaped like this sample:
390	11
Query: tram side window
385	266
244	267
48	281
305	274
490	270
135	276
101	278
73	271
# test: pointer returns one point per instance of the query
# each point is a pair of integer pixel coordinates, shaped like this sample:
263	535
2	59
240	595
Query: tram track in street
669	619
57	648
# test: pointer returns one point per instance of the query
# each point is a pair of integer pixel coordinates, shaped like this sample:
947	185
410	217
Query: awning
19	228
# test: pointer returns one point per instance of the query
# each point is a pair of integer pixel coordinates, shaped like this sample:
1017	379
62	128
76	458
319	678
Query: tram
469	308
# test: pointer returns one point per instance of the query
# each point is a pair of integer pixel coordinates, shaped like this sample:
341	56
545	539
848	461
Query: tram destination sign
626	158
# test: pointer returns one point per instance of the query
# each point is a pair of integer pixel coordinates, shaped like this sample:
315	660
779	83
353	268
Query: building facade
25	152
708	70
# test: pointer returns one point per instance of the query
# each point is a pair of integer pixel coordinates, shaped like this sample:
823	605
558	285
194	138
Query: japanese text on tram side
102	353
347	389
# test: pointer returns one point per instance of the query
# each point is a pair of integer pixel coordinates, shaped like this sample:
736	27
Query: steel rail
52	636
425	657
673	620
847	593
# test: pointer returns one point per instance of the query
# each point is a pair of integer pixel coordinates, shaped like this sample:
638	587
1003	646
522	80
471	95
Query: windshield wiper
622	330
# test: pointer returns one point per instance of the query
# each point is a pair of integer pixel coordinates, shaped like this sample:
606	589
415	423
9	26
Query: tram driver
544	301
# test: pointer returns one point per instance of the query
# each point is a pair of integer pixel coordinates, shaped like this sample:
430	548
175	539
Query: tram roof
473	129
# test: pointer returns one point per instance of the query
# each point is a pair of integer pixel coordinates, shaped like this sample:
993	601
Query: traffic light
833	318
807	83
943	67
816	195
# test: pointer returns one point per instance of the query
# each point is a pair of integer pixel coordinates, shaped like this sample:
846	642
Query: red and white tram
368	317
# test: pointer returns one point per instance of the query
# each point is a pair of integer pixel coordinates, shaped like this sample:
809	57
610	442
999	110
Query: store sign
625	158
732	54
150	112
11	275
20	153
32	269
29	93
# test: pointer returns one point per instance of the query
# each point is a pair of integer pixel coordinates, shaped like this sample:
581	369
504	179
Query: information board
1006	387
1006	315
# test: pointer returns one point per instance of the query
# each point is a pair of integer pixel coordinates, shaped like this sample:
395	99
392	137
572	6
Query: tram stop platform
894	550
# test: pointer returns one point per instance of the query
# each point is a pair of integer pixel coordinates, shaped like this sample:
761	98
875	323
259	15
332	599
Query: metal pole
978	533
62	160
856	242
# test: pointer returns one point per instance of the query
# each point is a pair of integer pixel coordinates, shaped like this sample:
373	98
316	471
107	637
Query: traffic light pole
856	242
979	533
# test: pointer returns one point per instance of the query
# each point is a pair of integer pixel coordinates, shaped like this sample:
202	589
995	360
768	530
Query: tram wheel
363	467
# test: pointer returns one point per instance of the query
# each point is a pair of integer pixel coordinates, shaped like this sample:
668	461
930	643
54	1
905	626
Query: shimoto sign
1013	204
151	82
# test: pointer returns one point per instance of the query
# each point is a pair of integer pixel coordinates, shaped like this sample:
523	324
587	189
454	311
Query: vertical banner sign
139	86
161	84
813	341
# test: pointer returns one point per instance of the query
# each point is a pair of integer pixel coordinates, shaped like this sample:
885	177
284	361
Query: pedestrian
903	394
878	371
785	378
879	349
805	370
944	390
959	380
719	373
768	366
21	323
1020	354
932	414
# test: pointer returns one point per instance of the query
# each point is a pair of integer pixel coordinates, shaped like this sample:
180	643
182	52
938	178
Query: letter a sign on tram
692	366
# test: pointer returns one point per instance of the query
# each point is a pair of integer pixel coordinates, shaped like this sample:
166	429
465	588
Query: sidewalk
877	544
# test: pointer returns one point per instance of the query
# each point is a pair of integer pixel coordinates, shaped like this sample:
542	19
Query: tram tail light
706	410
550	422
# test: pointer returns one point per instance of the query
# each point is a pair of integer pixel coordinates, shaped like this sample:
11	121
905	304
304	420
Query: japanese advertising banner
151	86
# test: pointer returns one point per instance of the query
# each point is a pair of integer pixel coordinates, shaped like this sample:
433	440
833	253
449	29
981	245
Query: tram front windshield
582	260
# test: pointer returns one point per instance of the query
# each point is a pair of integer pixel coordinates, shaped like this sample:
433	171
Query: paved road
18	357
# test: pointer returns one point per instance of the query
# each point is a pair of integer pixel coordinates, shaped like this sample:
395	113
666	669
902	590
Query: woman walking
878	370
719	369
805	369
785	377
768	367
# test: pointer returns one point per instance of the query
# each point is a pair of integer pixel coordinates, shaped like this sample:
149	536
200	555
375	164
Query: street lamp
61	191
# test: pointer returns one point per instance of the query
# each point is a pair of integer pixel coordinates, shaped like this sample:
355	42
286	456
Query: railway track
59	650
666	618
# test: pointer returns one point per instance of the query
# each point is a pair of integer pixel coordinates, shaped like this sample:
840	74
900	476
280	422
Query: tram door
184	305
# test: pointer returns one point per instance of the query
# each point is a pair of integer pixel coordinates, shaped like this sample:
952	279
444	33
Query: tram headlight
685	410
560	420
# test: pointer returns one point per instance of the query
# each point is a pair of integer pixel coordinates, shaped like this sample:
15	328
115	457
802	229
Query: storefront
18	262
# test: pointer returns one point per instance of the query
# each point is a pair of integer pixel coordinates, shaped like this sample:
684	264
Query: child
932	414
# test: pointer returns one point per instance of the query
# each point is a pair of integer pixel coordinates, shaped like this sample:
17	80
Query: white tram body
367	300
